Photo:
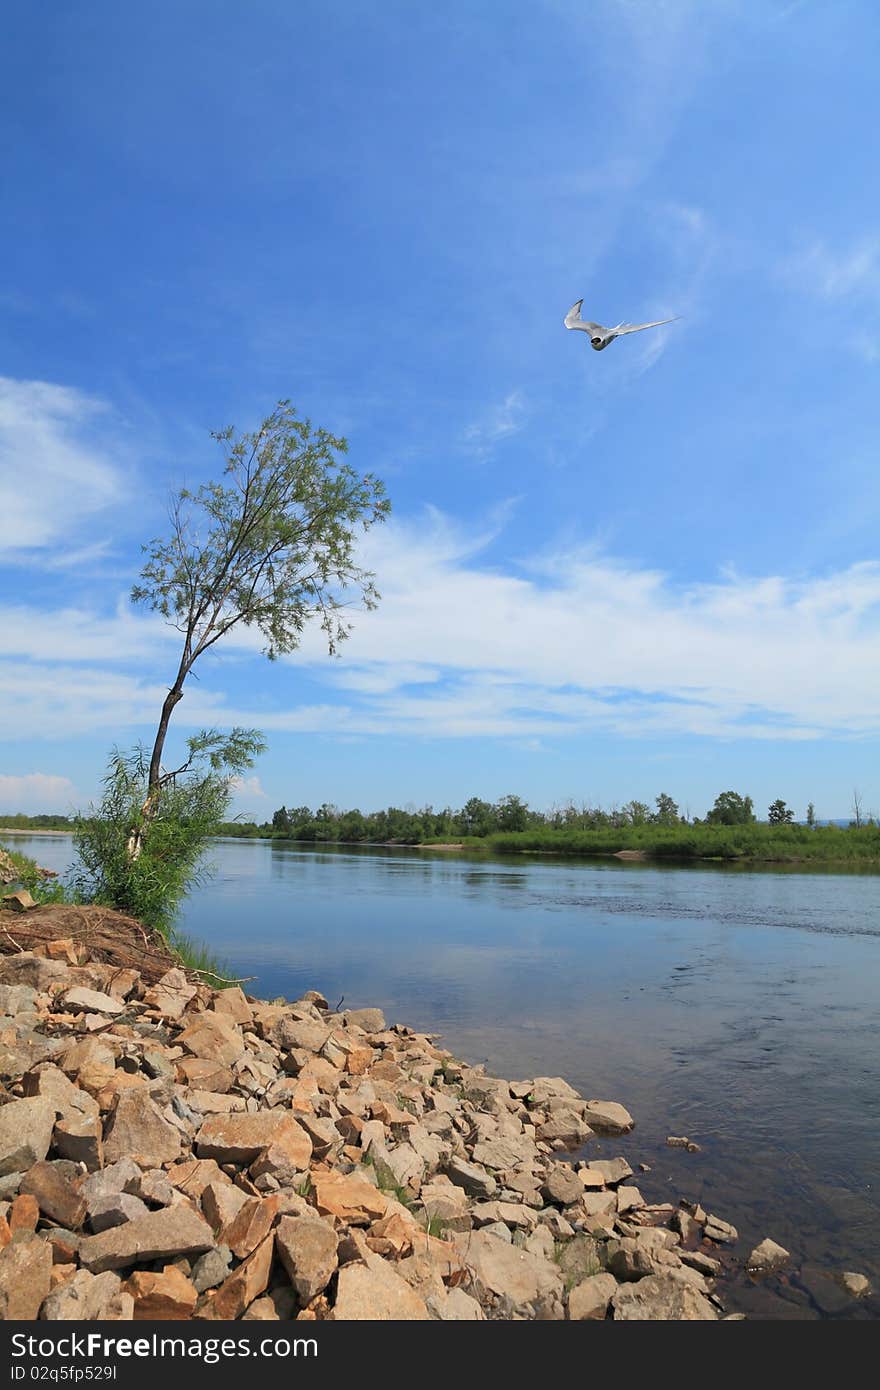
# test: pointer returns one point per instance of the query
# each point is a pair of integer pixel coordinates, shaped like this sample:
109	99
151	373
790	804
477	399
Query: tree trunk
154	784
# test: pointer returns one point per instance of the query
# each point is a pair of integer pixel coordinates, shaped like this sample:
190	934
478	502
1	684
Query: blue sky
607	575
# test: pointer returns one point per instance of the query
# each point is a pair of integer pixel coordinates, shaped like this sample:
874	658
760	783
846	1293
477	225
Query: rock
503	1152
221	1203
29	969
590	1299
829	1296
211	1268
17	999
81	1141
856	1285
446	1205
564	1129
513	1214
232	1004
370	1020
374	1292
607	1117
171	994
168	1296
122	1176
454	1305
677	1141
598	1203
308	1250
471	1177
611	1170
767	1257
82	1298
240	1138
25	1277
160	1235
19	901
24	1214
25	1134
139	1130
721	1231
348	1198
628	1198
214	1037
661	1298
562	1186
114	1209
579	1259
56	1192
244	1285
504	1270
81	1000
250	1226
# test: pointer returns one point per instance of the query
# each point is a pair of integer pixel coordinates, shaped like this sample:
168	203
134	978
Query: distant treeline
729	830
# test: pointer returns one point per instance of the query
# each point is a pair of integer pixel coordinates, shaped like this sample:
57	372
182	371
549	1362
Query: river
739	1008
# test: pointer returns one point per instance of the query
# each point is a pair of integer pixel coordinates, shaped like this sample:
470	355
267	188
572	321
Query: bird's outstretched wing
637	327
573	319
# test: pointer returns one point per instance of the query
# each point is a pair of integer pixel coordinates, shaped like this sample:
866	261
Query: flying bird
600	336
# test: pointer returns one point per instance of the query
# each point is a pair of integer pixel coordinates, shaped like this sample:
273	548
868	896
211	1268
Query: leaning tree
270	547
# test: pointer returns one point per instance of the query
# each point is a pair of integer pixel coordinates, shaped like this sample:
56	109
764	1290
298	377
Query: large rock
307	1249
29	969
661	1298
25	1276
244	1285
80	1000
767	1257
215	1037
241	1138
607	1117
81	1298
25	1134
474	1179
349	1198
374	1292
591	1298
56	1189
505	1270
161	1235
168	1296
140	1131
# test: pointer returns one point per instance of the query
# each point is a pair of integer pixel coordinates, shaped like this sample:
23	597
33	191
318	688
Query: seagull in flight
600	337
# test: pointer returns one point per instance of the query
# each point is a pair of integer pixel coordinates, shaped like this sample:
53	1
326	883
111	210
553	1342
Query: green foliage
151	886
731	809
779	814
271	548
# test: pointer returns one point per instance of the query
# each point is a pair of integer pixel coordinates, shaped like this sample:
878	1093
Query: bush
151	886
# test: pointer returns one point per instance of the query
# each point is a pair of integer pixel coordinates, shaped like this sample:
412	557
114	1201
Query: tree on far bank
667	811
270	548
731	809
811	816
779	814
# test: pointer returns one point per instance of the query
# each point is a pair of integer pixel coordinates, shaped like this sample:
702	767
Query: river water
739	1008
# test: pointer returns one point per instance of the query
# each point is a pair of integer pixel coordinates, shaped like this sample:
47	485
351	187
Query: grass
755	843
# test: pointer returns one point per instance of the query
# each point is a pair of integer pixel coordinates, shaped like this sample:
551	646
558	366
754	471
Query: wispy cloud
498	422
835	274
53	475
575	642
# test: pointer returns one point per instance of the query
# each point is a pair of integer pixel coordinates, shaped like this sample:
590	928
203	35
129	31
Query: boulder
165	1297
83	1297
25	1133
56	1189
139	1130
374	1292
766	1257
607	1117
308	1250
591	1298
163	1234
244	1285
507	1271
661	1298
240	1138
25	1277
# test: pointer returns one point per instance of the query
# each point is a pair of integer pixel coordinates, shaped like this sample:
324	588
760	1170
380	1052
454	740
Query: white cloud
498	423
52	474
571	642
837	274
35	792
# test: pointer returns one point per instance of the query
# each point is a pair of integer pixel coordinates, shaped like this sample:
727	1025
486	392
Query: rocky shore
172	1151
